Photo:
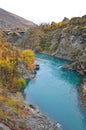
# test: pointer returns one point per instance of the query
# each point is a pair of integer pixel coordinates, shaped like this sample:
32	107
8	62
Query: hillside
9	21
66	40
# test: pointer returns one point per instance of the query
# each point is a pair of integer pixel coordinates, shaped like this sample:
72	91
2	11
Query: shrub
21	83
12	103
28	55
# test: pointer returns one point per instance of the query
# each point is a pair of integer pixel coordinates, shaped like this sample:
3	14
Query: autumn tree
29	58
10	60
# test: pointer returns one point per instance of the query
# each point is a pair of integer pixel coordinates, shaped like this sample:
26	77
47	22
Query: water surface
55	91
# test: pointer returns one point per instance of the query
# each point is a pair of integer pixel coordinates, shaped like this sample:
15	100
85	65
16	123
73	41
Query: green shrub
12	103
21	83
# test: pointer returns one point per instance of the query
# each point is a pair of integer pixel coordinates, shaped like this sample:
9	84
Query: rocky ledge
17	114
83	93
81	69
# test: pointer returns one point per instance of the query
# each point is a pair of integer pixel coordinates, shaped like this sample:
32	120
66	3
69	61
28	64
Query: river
55	92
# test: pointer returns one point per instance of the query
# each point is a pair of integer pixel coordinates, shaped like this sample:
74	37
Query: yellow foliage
12	103
1	61
28	55
21	83
10	60
1	90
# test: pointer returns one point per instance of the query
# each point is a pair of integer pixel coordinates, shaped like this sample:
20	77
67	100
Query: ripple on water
55	91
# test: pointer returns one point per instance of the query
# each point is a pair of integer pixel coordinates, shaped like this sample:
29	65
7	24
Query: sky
45	11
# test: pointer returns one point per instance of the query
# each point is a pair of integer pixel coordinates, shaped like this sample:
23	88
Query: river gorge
55	91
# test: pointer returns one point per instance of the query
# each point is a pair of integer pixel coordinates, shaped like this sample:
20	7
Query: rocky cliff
17	114
70	44
66	40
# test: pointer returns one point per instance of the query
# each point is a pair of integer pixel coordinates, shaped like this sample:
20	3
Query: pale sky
45	11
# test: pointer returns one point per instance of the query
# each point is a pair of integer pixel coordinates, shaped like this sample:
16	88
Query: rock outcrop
18	38
17	114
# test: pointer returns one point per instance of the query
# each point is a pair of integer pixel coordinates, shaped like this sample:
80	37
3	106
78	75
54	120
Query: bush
28	55
12	103
21	83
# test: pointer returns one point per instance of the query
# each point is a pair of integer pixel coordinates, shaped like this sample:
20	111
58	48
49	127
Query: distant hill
9	21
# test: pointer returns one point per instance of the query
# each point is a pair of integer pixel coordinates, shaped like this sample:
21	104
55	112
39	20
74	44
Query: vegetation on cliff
48	37
16	65
10	60
11	80
66	40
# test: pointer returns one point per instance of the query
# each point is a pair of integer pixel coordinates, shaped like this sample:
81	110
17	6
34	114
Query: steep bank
17	114
15	66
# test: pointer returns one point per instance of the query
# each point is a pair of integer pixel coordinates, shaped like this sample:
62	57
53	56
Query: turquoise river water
55	92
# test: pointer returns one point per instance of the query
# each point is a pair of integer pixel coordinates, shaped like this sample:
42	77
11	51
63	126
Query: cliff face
67	40
18	38
70	45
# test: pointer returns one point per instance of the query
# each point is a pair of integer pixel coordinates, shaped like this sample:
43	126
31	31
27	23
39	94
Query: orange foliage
10	60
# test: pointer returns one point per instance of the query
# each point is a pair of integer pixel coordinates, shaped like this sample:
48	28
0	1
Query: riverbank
66	40
17	114
16	66
58	89
74	66
79	68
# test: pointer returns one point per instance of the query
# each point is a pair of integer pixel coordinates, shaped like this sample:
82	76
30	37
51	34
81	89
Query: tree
21	83
28	55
